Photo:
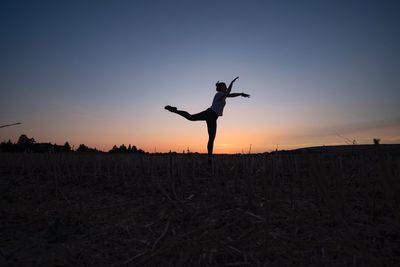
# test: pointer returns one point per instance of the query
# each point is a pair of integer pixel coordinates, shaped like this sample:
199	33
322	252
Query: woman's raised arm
231	84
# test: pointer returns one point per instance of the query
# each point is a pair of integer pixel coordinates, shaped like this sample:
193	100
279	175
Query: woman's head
221	87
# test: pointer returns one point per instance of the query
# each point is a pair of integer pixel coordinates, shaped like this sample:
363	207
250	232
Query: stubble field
72	209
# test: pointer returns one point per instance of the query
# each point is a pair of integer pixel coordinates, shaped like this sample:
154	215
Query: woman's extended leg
202	116
212	130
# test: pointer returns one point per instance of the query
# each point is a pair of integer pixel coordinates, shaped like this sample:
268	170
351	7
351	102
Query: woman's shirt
219	102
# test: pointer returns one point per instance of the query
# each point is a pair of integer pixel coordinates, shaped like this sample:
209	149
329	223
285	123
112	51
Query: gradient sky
100	72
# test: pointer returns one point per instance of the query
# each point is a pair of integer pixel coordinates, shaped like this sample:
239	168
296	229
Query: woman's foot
172	109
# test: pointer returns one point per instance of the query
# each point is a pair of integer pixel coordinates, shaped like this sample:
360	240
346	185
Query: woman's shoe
172	109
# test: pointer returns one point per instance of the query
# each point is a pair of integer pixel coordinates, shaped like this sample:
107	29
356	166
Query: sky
101	72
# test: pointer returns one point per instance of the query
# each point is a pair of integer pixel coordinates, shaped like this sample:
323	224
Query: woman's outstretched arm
231	84
237	94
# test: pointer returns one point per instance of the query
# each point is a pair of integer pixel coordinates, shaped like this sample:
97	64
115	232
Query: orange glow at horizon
194	138
183	136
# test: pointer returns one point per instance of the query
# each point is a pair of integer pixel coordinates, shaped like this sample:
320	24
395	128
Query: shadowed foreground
172	210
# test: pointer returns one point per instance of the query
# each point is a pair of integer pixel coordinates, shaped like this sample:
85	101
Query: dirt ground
175	210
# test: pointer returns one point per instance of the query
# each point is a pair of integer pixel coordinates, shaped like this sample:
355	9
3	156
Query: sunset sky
101	72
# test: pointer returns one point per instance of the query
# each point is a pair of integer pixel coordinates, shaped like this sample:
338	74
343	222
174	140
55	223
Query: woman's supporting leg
212	131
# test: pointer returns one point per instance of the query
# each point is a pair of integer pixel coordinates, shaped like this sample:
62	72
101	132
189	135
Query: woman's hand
244	95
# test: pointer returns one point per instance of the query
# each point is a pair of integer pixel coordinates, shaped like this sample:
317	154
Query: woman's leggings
210	117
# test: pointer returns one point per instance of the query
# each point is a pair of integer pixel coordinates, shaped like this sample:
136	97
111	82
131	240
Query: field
280	209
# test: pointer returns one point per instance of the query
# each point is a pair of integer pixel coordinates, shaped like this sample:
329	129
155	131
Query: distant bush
84	148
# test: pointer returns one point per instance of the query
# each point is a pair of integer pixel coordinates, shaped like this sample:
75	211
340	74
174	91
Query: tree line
26	144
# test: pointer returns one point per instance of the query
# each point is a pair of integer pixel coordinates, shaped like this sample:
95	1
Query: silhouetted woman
211	114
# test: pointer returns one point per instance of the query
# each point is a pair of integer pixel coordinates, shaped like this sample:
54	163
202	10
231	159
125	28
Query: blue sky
100	72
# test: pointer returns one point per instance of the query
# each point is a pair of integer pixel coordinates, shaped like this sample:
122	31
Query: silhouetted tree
67	147
7	146
114	149
123	149
84	148
25	140
377	141
25	144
